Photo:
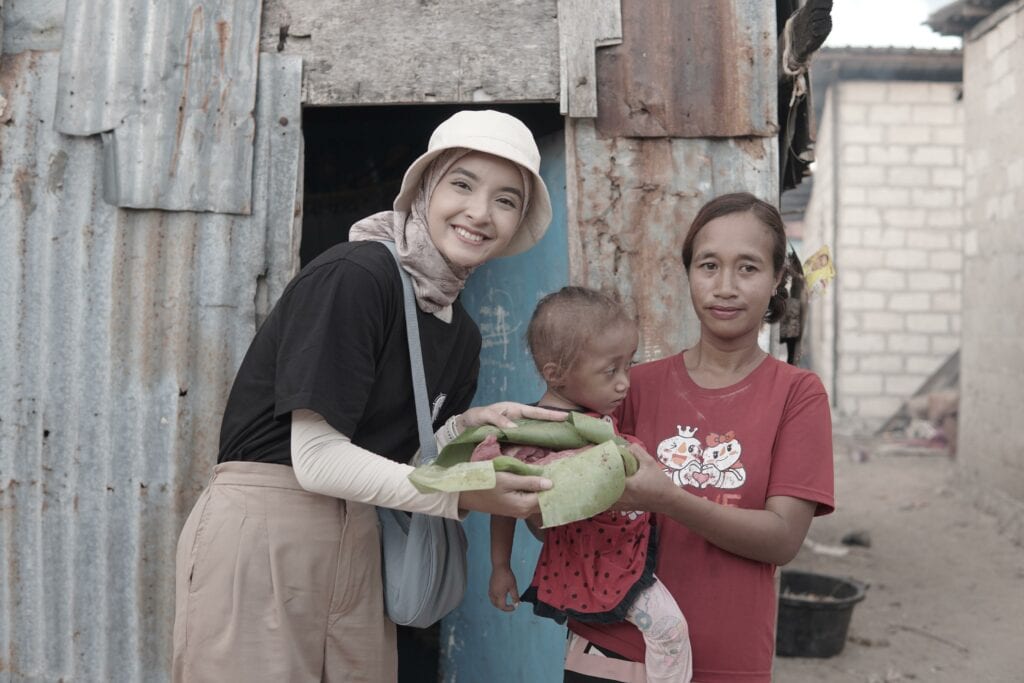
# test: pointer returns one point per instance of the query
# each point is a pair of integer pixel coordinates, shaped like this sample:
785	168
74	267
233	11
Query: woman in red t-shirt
745	450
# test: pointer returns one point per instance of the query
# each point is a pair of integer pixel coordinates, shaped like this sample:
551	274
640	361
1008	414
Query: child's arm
533	523
502	587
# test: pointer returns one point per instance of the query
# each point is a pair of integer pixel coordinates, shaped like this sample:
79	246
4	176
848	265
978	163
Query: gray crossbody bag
423	556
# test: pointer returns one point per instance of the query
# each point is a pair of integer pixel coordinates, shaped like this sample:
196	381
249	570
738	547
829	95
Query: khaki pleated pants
274	583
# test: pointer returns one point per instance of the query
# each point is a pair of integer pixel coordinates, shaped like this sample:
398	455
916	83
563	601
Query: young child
599	569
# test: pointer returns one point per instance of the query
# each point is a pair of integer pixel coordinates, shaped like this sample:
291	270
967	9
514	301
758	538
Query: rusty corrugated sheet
695	69
121	334
173	86
632	201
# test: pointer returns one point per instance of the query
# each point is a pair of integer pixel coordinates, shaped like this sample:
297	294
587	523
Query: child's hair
563	321
739	202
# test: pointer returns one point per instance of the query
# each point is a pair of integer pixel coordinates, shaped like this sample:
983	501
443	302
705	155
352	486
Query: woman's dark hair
565	320
768	215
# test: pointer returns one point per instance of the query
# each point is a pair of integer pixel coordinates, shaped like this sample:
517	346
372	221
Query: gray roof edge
958	18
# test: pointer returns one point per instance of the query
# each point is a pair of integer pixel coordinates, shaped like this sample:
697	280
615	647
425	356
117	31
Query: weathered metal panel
478	642
631	201
178	123
33	25
696	69
122	331
372	52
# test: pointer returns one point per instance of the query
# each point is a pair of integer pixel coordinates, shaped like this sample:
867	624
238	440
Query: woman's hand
771	535
648	489
513	495
502	414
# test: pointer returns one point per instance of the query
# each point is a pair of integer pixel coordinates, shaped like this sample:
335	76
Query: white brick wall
819	228
897	152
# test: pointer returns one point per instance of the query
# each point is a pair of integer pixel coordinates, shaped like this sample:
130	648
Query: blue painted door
478	641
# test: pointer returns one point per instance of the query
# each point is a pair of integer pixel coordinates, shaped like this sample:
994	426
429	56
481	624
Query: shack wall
631	202
991	442
123	330
371	52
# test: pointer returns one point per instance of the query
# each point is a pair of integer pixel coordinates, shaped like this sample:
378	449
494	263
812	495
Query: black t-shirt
335	344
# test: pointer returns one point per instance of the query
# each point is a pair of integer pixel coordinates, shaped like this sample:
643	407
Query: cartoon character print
716	465
721	462
680	455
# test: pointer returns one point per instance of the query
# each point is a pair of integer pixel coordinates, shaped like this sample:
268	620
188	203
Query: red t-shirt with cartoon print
767	435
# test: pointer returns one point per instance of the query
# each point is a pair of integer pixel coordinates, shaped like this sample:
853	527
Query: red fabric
589	566
778	420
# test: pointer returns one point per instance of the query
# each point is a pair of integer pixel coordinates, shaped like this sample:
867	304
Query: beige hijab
435	280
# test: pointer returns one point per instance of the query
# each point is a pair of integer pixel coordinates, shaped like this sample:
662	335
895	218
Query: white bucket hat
496	133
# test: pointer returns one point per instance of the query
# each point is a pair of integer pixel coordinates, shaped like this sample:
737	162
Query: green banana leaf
583	485
575	432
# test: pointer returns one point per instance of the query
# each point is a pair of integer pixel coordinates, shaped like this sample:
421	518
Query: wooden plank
443	51
584	25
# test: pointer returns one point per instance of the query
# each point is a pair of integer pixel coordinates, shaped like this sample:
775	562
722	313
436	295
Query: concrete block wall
991	441
818	229
895	151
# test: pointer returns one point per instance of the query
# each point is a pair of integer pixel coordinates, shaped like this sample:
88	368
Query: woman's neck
714	367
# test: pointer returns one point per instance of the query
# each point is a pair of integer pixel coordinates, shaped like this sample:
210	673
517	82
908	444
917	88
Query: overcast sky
885	23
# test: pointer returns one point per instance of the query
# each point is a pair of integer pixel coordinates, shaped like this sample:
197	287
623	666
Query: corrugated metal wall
686	70
122	331
177	124
633	202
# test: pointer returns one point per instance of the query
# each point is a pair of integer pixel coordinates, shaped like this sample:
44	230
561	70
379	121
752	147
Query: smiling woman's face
476	208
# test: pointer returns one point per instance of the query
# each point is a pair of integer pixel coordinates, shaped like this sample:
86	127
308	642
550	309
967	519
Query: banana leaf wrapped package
585	460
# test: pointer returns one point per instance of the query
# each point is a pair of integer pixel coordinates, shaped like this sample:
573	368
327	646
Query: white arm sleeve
327	462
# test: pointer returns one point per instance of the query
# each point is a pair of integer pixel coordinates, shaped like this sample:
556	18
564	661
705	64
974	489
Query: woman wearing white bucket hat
278	566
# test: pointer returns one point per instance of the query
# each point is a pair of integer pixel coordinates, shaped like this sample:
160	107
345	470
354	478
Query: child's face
599	378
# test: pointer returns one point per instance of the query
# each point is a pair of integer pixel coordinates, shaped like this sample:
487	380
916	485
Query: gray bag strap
428	447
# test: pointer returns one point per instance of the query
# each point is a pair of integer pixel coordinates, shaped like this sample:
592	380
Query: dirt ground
945	597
